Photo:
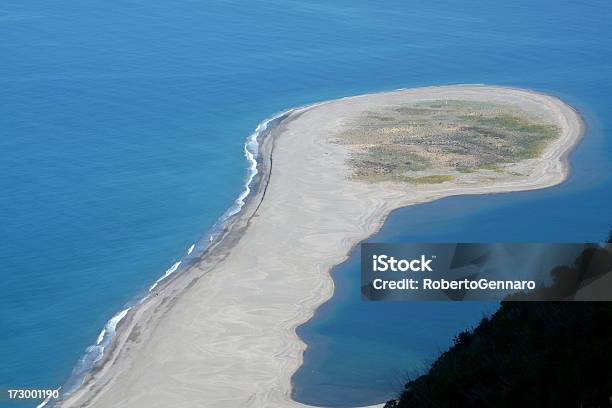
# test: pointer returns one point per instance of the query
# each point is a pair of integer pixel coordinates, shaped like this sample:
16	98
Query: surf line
94	353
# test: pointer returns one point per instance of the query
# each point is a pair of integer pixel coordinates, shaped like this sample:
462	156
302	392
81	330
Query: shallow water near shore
122	143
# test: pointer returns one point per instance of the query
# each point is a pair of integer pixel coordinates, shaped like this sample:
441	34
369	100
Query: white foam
94	353
110	328
168	272
251	152
101	336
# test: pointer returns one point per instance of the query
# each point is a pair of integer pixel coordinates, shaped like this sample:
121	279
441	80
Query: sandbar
222	333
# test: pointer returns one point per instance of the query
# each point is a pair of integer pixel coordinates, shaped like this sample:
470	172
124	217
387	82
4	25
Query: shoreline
148	315
95	355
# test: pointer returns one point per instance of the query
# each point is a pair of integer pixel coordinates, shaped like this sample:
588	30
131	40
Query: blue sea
122	130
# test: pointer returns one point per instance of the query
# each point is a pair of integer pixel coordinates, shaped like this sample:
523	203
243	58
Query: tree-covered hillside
527	354
549	354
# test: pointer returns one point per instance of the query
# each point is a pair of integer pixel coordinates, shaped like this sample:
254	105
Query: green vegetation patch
435	179
466	136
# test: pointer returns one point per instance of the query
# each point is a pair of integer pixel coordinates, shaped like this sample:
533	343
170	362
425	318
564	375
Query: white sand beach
222	332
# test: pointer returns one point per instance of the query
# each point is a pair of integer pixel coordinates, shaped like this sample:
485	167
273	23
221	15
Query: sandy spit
222	332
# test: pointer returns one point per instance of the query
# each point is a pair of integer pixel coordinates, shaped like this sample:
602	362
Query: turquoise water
121	142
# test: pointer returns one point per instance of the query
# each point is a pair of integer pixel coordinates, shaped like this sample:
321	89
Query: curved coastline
147	315
95	355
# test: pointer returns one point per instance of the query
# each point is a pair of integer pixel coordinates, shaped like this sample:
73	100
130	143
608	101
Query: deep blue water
121	132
